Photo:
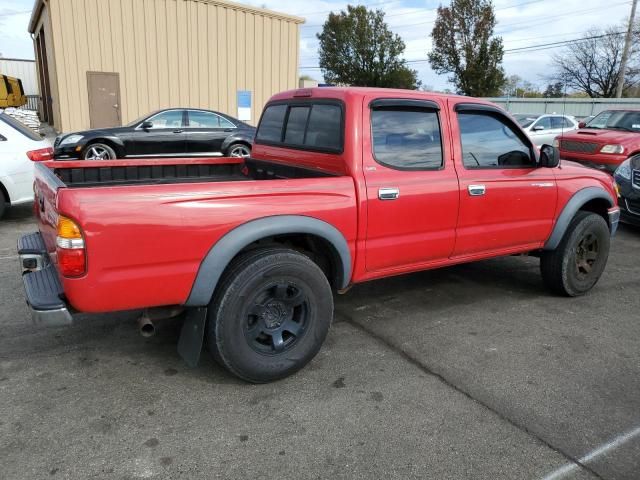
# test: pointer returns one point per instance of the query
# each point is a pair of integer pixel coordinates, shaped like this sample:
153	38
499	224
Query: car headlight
556	142
612	149
71	139
624	170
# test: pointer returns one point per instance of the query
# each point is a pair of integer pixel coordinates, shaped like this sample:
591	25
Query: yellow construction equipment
11	92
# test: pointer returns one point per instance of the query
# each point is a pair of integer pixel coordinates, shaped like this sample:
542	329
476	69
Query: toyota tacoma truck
344	185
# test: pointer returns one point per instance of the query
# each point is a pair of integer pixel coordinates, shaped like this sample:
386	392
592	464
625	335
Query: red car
605	141
344	185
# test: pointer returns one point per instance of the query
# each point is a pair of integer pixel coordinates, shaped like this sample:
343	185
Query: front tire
575	266
270	315
99	151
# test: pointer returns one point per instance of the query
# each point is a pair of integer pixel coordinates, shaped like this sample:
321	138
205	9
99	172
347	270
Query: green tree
465	46
357	48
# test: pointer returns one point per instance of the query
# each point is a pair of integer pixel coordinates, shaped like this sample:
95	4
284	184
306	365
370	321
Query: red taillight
72	261
40	155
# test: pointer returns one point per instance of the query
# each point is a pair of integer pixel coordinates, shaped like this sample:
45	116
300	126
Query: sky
521	23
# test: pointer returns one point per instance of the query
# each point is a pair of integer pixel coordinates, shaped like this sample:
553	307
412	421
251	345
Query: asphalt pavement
470	372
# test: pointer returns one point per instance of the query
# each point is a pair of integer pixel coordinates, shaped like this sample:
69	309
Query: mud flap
192	335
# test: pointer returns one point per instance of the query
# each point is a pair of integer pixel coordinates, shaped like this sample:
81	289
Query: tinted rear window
308	126
296	125
271	124
20	127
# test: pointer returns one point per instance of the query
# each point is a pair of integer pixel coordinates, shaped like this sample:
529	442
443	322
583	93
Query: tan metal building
107	62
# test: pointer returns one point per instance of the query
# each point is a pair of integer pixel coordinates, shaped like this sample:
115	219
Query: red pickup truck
344	185
605	141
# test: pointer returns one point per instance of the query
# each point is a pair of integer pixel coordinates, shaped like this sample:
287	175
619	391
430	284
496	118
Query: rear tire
99	151
3	206
239	150
575	266
270	314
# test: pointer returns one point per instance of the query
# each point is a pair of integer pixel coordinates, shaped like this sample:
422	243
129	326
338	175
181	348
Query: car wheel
99	151
576	265
239	150
270	315
3	206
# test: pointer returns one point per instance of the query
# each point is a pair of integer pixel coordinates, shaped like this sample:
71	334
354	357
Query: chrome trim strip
177	155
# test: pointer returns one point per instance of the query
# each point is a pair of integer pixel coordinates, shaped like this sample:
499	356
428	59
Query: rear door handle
476	190
388	193
178	131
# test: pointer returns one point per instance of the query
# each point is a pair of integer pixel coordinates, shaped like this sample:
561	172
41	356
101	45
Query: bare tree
592	65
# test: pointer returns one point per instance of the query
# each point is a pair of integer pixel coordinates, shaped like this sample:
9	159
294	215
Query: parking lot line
594	454
8	257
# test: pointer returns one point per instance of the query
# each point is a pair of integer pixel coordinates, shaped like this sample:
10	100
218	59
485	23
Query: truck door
411	183
507	203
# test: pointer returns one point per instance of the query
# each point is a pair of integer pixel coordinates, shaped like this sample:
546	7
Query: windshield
525	120
616	120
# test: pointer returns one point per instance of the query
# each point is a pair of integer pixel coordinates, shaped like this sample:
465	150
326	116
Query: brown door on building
104	99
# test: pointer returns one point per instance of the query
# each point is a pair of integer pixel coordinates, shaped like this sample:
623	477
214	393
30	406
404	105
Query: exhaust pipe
146	326
145	321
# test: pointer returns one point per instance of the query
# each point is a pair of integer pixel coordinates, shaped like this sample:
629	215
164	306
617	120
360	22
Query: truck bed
96	173
149	223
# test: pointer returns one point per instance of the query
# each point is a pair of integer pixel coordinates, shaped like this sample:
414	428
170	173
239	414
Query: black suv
627	177
174	132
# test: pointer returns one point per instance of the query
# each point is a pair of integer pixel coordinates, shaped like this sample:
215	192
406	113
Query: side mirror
537	128
549	156
146	125
582	124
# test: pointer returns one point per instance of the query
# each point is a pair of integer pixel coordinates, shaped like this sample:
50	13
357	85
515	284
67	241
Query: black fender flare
575	203
225	249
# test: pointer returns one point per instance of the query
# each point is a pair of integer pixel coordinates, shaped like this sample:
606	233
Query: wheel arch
4	193
115	143
254	233
233	139
591	199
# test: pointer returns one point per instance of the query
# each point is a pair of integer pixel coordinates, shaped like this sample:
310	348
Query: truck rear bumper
42	286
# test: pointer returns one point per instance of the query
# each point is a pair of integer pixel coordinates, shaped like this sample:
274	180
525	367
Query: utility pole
625	52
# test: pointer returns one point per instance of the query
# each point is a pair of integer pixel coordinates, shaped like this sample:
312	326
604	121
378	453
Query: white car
543	129
19	148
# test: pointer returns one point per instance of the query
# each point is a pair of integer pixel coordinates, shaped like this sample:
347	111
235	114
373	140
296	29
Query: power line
536	20
531	48
425	10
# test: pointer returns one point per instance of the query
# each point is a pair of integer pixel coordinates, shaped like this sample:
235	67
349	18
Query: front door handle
476	190
178	131
388	193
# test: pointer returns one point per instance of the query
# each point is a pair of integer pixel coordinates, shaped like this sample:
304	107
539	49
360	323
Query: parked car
175	132
19	148
545	128
605	141
344	185
627	177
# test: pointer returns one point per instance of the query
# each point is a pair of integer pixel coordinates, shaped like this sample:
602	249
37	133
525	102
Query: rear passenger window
271	124
296	124
308	126
406	138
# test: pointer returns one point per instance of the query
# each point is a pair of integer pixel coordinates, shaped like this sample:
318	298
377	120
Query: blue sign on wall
244	105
